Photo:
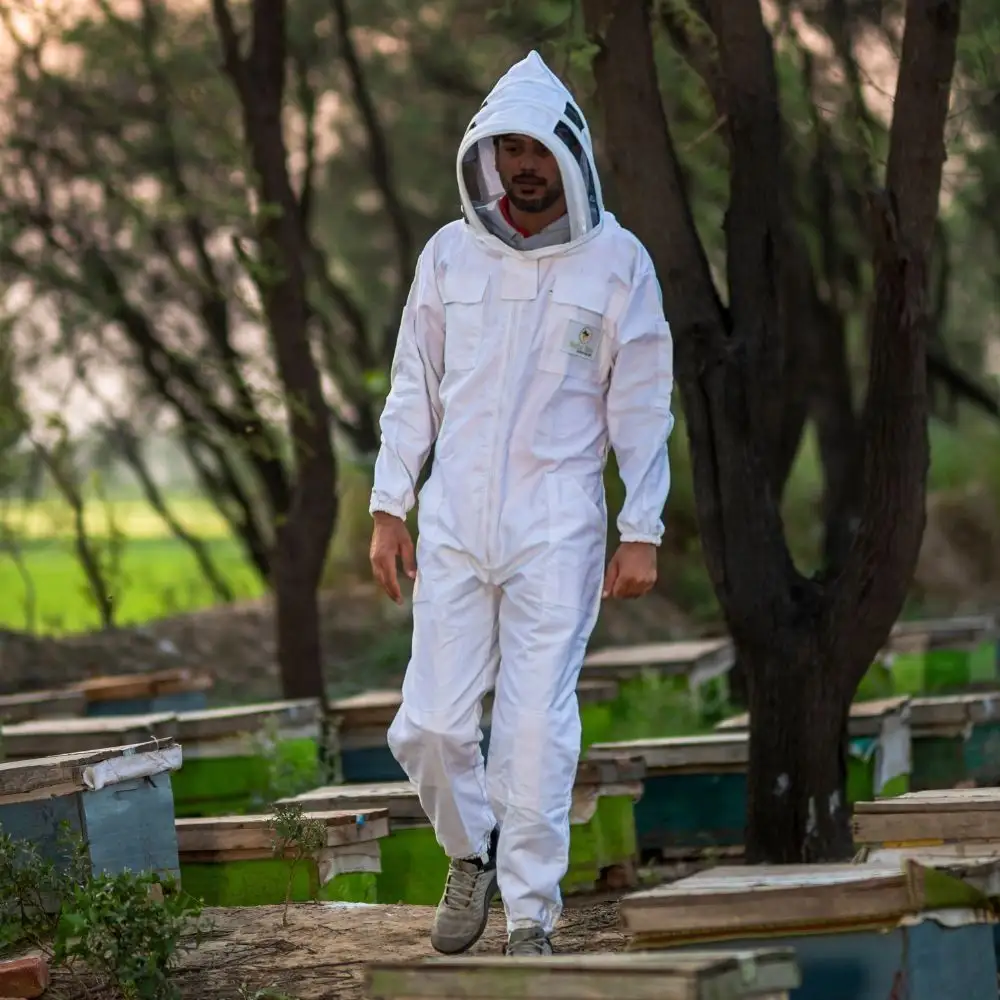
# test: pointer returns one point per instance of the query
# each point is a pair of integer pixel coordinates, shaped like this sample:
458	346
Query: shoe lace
460	886
528	943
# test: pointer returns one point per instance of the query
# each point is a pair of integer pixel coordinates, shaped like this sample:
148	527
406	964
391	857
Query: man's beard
540	203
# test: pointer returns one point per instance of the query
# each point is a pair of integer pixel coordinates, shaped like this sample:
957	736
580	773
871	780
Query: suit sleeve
412	414
639	415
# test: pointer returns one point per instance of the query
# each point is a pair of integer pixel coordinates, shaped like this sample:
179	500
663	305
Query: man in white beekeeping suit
532	339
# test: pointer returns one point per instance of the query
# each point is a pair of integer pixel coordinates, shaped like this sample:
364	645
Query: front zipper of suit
492	512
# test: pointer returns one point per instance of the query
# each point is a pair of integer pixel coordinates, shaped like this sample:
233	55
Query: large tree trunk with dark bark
305	528
803	642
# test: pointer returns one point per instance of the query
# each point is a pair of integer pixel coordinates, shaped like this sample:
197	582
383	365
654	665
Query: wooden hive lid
52	737
947	815
234	720
398	797
955	711
720	975
963	628
740	902
681	752
663	657
221	838
156	683
41	705
66	774
610	770
864	720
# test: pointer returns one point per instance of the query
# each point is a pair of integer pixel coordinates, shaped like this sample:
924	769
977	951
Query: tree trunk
796	808
304	530
805	643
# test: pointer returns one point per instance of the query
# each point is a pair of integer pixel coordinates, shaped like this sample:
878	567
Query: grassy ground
156	574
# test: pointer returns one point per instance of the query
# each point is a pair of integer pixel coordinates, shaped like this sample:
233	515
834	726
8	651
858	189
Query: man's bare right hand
391	541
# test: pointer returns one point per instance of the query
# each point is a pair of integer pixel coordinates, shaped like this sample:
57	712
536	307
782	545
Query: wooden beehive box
362	722
956	738
117	800
880	758
856	929
237	860
960	822
233	755
41	705
174	690
694	792
53	737
761	975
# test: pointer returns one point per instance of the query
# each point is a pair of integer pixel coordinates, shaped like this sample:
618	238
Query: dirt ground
321	954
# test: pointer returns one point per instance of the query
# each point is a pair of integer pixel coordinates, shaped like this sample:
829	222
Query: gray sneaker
528	941
464	909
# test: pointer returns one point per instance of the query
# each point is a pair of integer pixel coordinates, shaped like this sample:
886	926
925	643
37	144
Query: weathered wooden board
943	633
67	773
227	836
219	723
743	902
866	717
156	683
959	815
706	657
399	798
41	705
761	975
53	737
682	754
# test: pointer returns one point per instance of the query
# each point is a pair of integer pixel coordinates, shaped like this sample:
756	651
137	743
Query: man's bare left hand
632	570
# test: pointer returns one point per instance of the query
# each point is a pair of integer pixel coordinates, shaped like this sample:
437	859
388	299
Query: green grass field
158	575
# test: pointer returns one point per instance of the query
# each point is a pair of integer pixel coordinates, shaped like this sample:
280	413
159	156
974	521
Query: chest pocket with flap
463	292
577	343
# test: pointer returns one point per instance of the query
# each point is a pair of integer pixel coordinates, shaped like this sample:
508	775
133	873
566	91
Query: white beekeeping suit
521	360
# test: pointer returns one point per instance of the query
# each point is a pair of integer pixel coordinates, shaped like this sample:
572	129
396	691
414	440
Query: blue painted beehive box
956	739
860	932
179	690
362	723
117	801
760	975
41	705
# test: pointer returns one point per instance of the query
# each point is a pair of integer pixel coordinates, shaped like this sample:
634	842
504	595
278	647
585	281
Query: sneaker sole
491	894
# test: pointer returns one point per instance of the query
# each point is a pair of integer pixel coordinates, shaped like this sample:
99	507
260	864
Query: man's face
529	173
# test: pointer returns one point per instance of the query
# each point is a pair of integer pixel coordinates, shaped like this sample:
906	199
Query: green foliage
127	930
297	837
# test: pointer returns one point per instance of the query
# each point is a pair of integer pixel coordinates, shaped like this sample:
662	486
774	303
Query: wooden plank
254	833
52	737
956	815
21	778
950	714
664	657
969	628
41	705
753	900
216	723
125	687
398	797
864	720
722	975
681	753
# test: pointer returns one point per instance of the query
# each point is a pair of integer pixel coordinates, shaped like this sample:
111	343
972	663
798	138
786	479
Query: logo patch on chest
582	340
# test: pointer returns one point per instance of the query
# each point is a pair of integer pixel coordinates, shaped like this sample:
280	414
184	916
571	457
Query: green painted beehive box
239	759
859	931
655	682
879	762
238	861
602	833
53	737
41	705
362	722
766	974
956	739
116	801
935	657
